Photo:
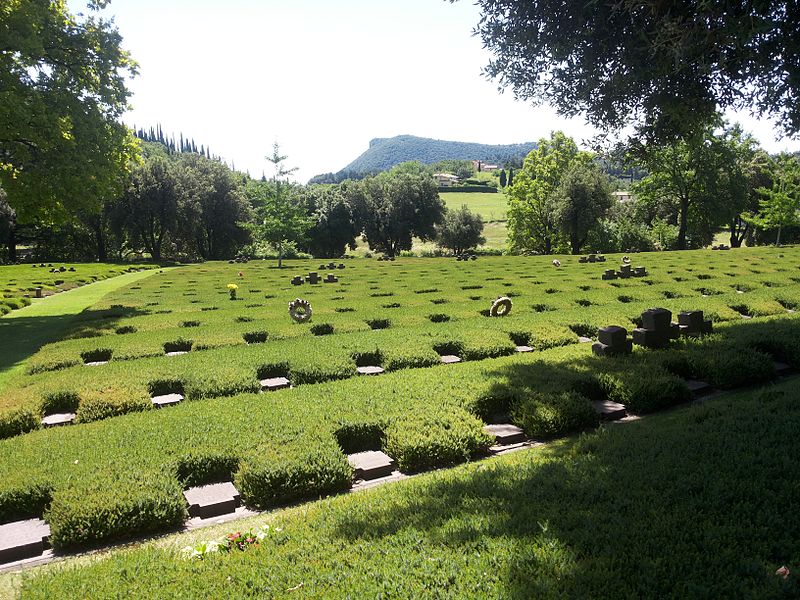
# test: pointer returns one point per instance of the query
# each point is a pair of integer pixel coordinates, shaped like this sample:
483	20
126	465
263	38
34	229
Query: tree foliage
62	91
780	204
460	230
533	223
664	66
334	226
396	206
582	199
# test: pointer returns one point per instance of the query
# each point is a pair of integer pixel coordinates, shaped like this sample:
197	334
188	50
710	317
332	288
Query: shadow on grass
687	504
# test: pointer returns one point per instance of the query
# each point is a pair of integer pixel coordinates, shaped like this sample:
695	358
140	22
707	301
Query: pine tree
502	178
510	176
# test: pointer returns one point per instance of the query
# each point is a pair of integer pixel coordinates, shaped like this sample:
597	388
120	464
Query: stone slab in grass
584	340
166	400
698	388
524	349
272	384
211	500
369	370
23	539
96	363
450	359
505	433
176	353
58	419
371	464
609	410
782	368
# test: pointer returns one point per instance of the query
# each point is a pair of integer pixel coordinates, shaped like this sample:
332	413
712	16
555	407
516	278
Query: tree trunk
683	218
11	242
280	255
778	241
100	240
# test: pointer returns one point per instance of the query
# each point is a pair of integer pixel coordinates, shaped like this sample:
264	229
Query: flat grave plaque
450	359
371	464
584	340
274	383
166	400
96	363
782	368
608	409
58	419
369	370
212	500
22	539
698	388
176	353
524	349
505	433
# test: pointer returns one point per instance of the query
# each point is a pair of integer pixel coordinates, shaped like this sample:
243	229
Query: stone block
524	349
592	258
708	326
692	318
583	259
674	331
369	370
450	359
657	319
166	400
371	464
23	539
609	274
505	433
212	500
613	335
297	280
584	340
698	388
650	338
601	258
57	419
782	369
609	410
274	383
601	349
176	353
96	363
640	271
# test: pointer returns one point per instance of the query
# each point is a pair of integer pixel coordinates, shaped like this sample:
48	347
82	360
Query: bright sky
323	77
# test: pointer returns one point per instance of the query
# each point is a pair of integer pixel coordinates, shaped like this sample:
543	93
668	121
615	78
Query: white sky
323	77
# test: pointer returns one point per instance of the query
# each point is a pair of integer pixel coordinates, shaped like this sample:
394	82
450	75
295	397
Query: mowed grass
492	207
18	283
695	503
122	468
48	319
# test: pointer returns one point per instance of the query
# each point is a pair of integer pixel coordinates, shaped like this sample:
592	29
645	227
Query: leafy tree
460	230
7	227
396	206
533	224
582	199
334	224
665	66
149	207
282	217
780	204
214	206
62	91
503	180
698	179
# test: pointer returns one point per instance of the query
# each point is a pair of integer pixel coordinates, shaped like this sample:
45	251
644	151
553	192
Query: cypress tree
510	176
502	178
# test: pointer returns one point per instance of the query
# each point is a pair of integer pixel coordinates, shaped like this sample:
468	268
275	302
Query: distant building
445	179
481	166
625	196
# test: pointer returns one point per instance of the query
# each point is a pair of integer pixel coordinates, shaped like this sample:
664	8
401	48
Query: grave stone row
386	258
465	257
331	266
591	258
721	247
625	272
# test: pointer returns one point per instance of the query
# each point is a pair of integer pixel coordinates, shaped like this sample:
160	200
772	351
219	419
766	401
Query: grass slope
492	207
695	503
47	320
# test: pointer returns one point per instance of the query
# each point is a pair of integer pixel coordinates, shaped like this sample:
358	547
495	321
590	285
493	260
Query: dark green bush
550	415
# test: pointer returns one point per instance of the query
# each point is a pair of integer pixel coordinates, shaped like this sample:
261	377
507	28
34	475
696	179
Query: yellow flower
233	286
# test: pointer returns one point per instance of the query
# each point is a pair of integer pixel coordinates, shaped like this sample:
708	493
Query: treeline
177	204
688	191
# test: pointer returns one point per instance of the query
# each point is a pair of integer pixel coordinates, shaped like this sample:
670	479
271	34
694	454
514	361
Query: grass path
27	329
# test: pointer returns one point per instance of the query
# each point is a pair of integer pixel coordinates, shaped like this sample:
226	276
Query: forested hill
384	153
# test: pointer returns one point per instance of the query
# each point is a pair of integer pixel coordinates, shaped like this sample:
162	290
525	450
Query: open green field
492	207
121	469
19	282
694	503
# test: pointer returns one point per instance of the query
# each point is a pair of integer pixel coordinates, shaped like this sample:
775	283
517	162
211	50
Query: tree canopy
664	66
62	91
460	230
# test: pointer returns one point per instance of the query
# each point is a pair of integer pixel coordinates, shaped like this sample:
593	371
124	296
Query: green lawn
694	503
134	461
47	320
492	207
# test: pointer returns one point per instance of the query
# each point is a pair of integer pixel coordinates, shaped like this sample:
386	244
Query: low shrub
550	415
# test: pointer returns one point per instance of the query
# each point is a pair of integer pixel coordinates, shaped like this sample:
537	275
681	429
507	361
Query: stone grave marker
692	323
613	341
271	384
166	400
609	274
57	419
313	277
505	433
450	359
23	539
331	278
371	464
297	280
698	388
656	330
639	272
609	410
212	500
524	349
369	370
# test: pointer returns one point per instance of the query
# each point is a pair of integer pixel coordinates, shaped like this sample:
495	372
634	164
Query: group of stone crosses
656	331
313	277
